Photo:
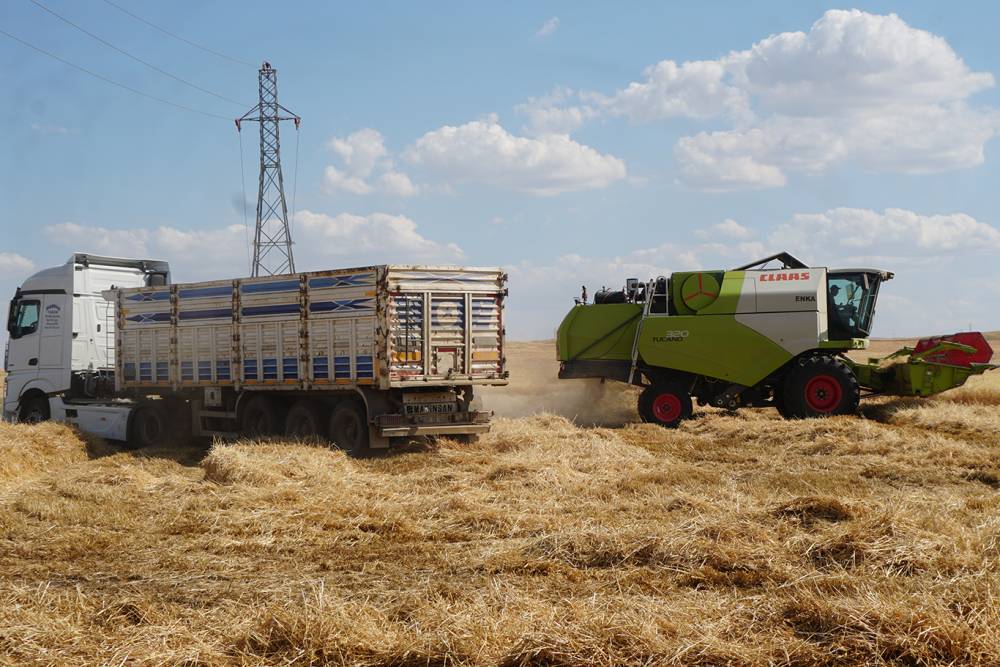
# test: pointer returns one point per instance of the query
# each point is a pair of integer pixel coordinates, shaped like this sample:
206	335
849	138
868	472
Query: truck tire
34	409
307	420
149	427
349	428
666	404
820	386
262	417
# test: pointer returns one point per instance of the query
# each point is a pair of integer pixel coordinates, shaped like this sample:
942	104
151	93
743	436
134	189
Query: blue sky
572	143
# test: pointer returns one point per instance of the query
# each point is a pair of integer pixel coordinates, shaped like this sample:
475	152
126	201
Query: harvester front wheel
665	404
820	386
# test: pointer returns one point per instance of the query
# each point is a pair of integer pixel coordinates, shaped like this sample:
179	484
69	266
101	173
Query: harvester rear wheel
666	404
820	386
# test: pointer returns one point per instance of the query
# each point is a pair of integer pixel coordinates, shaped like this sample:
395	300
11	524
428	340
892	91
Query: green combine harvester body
755	336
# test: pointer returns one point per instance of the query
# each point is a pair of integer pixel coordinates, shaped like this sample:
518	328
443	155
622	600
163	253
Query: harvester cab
775	332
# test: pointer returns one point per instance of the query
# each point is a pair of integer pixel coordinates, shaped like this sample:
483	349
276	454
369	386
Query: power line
111	81
133	57
178	37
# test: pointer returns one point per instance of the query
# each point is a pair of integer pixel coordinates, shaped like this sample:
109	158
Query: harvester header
757	335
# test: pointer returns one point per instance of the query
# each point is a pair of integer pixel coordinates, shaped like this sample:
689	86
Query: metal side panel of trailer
382	326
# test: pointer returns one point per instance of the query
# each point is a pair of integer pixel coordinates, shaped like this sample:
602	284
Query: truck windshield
851	304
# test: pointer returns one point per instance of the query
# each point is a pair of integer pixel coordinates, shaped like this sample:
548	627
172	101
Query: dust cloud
535	388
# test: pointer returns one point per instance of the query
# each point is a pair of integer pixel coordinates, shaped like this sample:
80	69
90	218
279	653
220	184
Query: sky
571	143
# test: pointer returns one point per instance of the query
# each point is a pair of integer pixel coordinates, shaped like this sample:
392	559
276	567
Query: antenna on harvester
272	242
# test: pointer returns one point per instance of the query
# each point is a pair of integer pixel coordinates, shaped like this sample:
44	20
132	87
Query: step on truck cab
359	356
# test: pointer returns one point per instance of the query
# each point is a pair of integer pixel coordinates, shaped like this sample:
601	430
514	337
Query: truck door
53	343
25	342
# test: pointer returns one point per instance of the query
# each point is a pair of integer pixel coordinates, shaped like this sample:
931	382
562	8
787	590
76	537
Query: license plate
431	408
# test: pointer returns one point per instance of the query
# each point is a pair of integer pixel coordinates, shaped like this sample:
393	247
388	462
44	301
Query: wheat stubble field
574	537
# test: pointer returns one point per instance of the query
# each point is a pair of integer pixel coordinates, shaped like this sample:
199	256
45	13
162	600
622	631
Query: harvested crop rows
738	539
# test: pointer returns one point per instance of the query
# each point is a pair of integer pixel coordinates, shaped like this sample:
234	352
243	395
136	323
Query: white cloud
695	89
549	27
854	60
397	184
360	150
483	151
380	236
44	129
199	254
860	234
363	155
728	229
15	265
857	86
334	179
320	242
551	113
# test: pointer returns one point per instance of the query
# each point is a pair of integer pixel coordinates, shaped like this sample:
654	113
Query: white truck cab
61	335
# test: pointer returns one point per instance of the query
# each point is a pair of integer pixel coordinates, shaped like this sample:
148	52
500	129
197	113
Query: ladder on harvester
650	293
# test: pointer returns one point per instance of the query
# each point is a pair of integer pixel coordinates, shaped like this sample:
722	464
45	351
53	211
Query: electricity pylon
272	241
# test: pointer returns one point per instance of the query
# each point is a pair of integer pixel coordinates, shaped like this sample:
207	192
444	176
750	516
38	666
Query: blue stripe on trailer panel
204	370
129	371
249	369
321	368
187	370
270	369
222	369
290	368
162	371
149	318
213	313
263	288
280	309
200	292
145	371
149	296
342	281
341	367
364	365
334	306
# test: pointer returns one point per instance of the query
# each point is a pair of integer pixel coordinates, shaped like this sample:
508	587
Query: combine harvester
358	356
755	337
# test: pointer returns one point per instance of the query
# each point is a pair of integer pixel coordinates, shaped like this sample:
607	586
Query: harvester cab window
851	303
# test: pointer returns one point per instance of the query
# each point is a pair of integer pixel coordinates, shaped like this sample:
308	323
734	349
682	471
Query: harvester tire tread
666	404
820	386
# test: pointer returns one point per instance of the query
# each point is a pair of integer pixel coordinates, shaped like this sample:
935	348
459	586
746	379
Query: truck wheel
35	409
349	428
261	417
149	427
819	387
305	420
664	404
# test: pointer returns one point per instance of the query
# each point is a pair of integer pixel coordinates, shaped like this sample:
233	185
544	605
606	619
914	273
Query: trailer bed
388	326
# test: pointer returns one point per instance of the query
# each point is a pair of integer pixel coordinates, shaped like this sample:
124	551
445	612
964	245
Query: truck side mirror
11	317
631	288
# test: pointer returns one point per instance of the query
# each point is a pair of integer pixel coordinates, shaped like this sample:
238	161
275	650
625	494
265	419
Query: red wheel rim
667	408
823	393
